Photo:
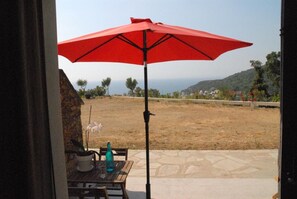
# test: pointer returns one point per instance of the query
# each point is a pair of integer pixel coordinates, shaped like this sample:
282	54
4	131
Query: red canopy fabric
164	43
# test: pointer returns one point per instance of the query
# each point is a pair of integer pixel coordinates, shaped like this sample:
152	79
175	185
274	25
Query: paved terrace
211	174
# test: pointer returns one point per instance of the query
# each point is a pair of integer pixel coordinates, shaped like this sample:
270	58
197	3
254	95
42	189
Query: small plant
80	149
88	95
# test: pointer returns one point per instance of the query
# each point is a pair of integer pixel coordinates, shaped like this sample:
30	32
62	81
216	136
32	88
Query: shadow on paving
136	194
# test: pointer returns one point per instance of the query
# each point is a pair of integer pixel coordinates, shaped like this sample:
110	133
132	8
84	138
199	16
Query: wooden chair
276	195
118	152
82	192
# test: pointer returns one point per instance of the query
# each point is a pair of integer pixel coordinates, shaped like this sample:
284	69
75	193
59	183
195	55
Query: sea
165	86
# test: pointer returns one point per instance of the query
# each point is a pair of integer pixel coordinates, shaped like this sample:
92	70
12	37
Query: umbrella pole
146	115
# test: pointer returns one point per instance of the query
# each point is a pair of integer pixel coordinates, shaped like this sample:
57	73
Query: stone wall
71	112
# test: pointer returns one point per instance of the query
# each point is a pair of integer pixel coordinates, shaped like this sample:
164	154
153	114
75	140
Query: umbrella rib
161	40
95	48
192	47
128	41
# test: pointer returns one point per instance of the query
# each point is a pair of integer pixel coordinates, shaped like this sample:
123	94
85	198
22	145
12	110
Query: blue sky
256	21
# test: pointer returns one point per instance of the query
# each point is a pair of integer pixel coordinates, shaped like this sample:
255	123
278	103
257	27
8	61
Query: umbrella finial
138	20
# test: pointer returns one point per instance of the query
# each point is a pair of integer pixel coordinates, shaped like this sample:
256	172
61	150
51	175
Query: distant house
215	93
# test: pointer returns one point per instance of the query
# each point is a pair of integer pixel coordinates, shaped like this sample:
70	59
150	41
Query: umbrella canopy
143	42
163	43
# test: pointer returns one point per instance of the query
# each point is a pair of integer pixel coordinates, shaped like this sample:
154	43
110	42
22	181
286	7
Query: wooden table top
100	176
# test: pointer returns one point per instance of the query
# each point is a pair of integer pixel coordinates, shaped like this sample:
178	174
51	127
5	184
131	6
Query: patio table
98	175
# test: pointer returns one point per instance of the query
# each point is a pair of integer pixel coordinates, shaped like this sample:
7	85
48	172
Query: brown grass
182	125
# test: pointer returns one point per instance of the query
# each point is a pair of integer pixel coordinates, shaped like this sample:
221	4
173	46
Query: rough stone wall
71	112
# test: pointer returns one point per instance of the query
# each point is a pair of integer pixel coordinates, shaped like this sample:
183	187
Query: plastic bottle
109	159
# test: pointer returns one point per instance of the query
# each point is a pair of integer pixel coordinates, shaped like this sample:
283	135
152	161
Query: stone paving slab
211	174
206	164
203	188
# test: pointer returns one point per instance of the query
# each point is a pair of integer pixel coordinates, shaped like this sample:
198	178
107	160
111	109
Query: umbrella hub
138	20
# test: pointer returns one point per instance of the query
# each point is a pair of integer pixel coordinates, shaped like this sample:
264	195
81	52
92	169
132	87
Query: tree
100	90
259	87
88	94
226	94
82	84
176	94
153	92
105	84
131	84
139	92
272	69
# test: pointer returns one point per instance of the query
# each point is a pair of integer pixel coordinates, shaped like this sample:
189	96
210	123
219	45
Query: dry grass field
182	125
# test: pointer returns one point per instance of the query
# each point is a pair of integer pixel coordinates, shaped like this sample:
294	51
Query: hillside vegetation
241	81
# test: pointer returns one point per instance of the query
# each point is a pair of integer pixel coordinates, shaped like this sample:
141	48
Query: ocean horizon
118	87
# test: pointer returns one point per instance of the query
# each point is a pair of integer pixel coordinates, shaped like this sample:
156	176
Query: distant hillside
241	81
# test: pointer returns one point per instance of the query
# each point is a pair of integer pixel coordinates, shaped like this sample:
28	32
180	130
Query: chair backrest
116	152
81	192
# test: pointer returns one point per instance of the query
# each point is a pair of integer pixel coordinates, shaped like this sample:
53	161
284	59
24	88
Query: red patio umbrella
143	42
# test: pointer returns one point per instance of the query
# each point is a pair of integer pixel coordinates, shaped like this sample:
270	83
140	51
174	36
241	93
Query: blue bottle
109	159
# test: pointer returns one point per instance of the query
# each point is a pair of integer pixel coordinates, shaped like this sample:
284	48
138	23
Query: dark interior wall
24	113
26	34
288	149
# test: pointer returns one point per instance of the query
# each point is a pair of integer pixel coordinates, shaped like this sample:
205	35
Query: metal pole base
148	191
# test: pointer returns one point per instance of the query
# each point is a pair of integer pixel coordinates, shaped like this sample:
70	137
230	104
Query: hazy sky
255	21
